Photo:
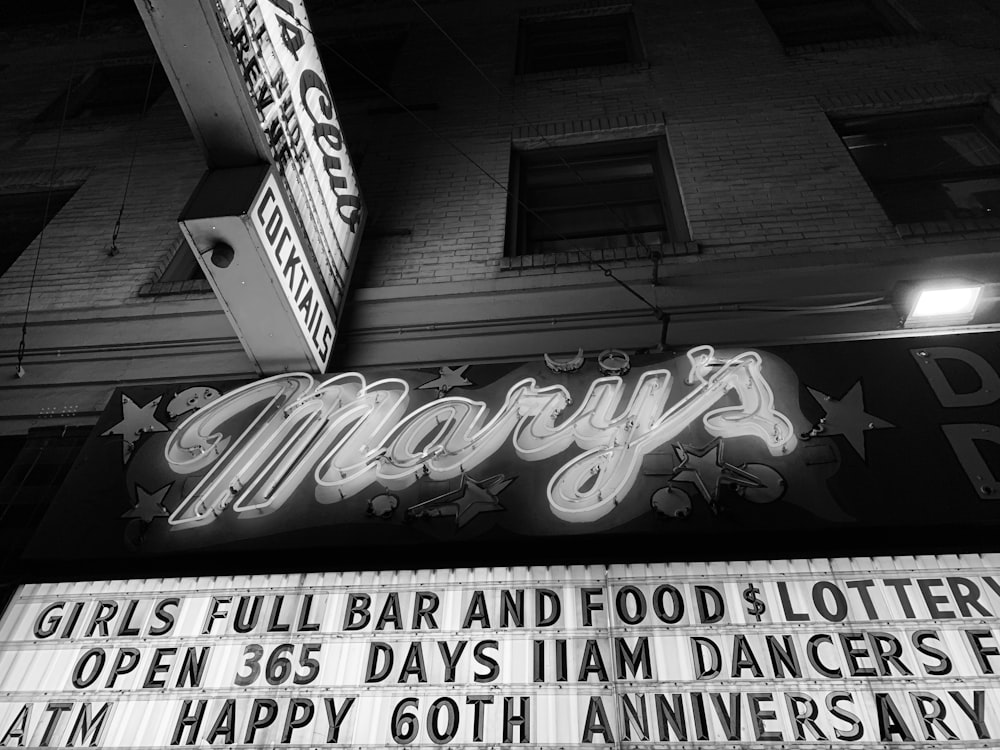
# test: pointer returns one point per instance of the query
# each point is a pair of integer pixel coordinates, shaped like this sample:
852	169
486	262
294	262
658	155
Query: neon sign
346	434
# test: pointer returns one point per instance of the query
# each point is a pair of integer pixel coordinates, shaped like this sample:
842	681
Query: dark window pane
941	150
183	266
602	221
929	166
798	22
565	43
22	216
359	67
31	479
940	201
606	195
109	91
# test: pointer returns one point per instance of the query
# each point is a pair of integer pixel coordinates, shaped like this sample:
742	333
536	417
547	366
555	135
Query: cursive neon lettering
347	434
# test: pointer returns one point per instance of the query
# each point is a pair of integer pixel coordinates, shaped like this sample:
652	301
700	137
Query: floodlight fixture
939	302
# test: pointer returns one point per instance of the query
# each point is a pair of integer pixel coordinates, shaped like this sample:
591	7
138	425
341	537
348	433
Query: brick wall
760	168
151	162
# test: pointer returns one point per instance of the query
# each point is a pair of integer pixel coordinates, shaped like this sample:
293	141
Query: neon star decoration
136	421
448	378
472	497
149	505
345	434
706	469
847	416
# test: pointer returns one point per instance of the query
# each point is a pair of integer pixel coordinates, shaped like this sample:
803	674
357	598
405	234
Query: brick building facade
767	232
624	403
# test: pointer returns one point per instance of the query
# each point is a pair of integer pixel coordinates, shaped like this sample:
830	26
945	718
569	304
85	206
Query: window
22	216
800	22
109	91
563	43
359	67
619	194
98	16
32	468
929	166
183	265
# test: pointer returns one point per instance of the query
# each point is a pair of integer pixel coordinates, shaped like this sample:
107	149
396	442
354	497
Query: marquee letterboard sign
707	447
863	653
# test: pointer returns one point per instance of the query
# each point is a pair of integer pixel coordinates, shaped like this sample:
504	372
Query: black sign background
877	476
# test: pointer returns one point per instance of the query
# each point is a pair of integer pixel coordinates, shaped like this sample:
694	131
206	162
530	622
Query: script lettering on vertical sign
277	56
862	652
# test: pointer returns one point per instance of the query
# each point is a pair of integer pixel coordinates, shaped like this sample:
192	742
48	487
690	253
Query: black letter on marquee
976	712
597	721
890	719
477	702
521	720
262	714
487	661
225	724
477	611
335	718
372	672
79	681
635	658
676	600
541	597
592	662
44	631
358	604
189	720
704	595
857	729
943	665
981	652
295	720
425	607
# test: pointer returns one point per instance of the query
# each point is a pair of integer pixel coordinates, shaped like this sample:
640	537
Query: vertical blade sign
277	56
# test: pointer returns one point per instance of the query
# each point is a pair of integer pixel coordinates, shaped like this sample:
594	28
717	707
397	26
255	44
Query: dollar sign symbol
755	606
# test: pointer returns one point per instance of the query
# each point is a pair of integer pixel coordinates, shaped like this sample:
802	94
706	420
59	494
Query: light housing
938	303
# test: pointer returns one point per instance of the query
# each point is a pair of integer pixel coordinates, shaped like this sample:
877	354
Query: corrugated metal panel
868	651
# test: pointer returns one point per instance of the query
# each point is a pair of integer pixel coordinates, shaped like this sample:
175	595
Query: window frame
982	117
675	229
525	58
892	22
48	202
86	84
382	48
183	265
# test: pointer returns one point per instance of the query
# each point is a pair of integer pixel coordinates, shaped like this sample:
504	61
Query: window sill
606	255
591	71
894	40
950	226
155	288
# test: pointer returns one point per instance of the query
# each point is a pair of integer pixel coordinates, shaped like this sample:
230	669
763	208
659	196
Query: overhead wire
131	165
22	345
